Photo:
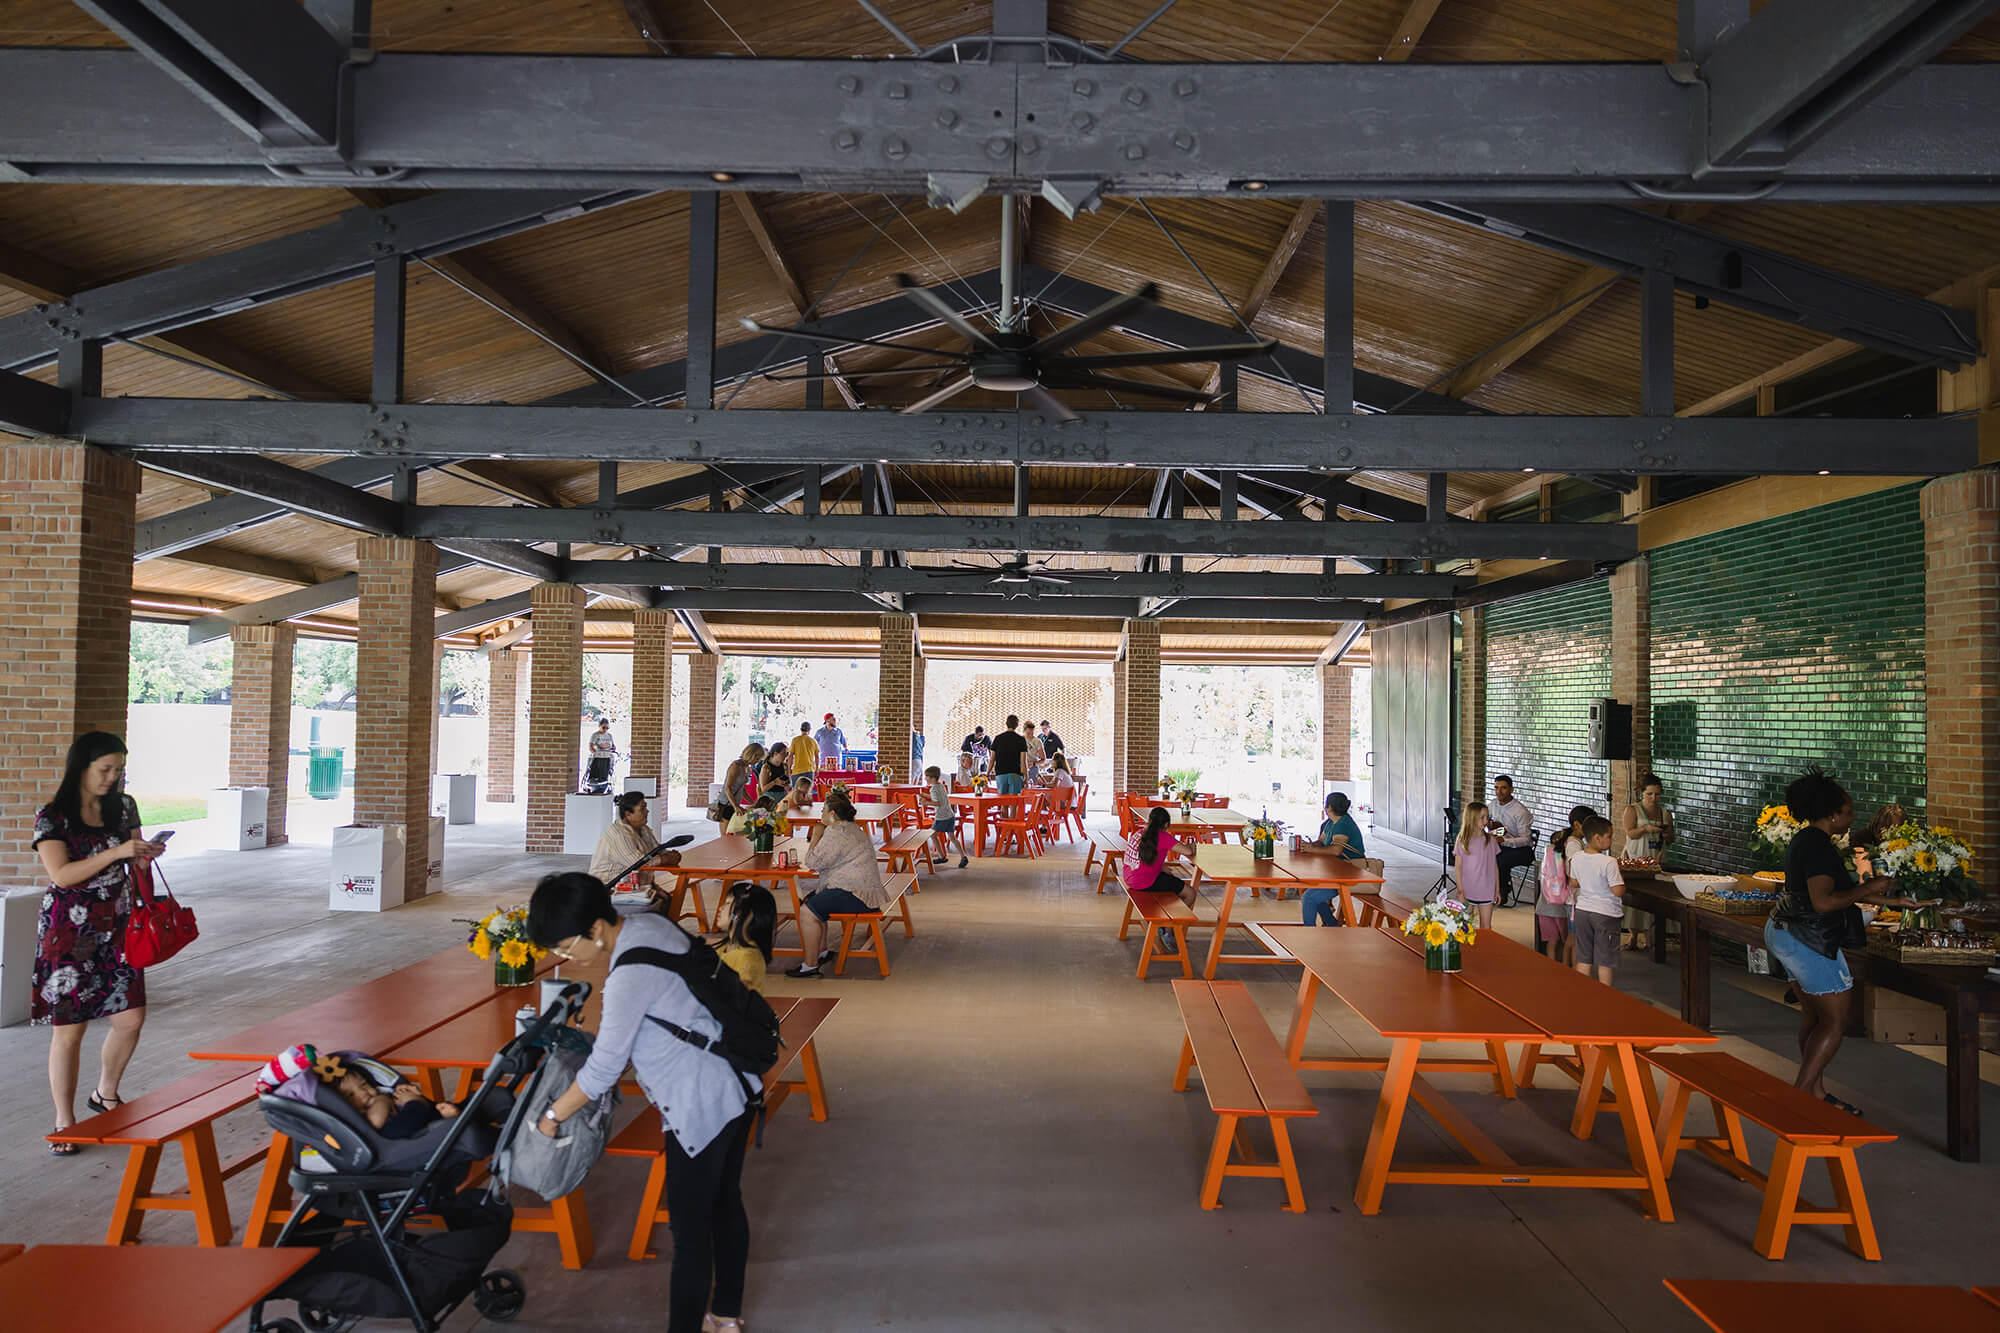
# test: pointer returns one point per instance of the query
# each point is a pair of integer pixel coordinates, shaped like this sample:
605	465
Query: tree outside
167	669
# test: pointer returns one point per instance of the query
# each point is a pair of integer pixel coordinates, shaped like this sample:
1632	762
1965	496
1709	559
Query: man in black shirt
1052	744
1010	747
976	739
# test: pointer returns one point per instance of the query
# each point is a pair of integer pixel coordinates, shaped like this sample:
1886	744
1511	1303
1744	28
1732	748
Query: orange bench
1246	1076
798	1023
902	850
899	887
181	1114
1156	910
1113	854
1805	1126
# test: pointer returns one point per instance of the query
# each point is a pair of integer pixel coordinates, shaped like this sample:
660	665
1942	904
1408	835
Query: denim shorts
1811	971
824	903
1596	938
945	825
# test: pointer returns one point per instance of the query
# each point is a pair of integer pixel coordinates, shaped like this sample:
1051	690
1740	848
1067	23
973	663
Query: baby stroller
347	1174
597	775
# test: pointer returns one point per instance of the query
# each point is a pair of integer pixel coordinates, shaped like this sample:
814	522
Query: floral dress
80	968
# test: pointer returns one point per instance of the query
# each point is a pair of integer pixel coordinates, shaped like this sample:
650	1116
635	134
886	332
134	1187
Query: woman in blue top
1340	832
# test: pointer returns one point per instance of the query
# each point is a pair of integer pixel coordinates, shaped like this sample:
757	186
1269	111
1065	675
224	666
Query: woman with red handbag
86	837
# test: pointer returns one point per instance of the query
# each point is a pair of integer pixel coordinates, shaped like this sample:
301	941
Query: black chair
1511	890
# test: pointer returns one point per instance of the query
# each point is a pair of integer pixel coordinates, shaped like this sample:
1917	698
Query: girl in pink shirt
1146	855
1478	873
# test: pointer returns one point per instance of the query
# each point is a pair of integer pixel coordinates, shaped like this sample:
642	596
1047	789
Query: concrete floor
1005	1152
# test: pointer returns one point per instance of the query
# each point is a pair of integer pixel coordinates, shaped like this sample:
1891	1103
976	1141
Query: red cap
829	717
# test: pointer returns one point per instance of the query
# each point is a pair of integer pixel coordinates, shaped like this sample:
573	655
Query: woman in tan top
850	880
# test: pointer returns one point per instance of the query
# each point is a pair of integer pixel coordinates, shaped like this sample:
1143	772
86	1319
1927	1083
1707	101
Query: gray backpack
552	1167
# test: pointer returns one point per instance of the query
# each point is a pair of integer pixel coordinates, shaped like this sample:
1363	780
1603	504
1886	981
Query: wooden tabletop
724	852
1779	1307
158	1288
1393	993
1237	865
865	812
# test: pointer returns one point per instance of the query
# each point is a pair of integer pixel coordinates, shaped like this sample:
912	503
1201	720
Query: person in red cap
832	744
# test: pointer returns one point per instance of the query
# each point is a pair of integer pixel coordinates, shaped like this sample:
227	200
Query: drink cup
552	989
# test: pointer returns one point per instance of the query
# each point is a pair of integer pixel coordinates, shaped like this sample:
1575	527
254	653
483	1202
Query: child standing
1478	868
1552	909
944	815
1600	913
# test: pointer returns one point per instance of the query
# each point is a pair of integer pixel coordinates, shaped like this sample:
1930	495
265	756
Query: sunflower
1435	934
514	953
1926	859
482	945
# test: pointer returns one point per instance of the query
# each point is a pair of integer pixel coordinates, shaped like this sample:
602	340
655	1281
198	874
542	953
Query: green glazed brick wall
1547	657
1792	641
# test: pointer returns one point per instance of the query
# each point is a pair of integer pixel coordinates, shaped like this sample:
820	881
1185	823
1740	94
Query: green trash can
323	772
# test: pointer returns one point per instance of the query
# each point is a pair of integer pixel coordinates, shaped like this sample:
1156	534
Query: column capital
263	634
51	459
1961	493
555	595
653	617
393	551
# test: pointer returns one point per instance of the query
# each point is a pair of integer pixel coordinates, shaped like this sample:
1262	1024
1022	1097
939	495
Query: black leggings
710	1229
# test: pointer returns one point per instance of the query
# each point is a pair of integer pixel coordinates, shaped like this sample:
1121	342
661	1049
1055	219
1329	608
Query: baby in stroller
400	1113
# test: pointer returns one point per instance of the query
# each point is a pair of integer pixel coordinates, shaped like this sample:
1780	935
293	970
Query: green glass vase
1442	957
505	975
1263	848
763	839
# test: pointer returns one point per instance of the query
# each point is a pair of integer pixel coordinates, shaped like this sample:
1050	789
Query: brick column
917	670
704	669
395	704
1118	696
1962	659
437	699
1472	704
1336	723
65	621
652	694
260	717
1142	706
1632	676
555	700
503	676
892	698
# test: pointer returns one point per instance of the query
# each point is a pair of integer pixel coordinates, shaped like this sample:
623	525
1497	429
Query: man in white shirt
1515	823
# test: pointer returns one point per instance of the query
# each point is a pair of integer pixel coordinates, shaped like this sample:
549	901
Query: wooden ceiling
1437	304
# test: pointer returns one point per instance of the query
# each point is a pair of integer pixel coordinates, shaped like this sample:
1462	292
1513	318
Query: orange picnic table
1780	1307
1383	979
1237	867
871	815
982	804
718	858
158	1288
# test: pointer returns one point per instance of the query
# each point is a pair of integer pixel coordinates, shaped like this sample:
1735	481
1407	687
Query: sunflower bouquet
1263	835
842	790
1776	827
502	935
1928	861
1444	926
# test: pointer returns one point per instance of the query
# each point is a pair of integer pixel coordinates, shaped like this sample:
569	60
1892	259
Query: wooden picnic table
889	791
981	804
158	1288
1237	867
1780	1307
871	815
1963	992
1384	981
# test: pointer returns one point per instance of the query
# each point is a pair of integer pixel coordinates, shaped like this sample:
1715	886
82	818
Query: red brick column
893	713
1962	659
1118	696
66	530
1472	704
437	699
704	670
395	702
1142	702
1336	723
555	701
260	717
1632	677
503	677
917	699
652	693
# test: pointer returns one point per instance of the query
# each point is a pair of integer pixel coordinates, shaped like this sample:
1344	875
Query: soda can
524	1018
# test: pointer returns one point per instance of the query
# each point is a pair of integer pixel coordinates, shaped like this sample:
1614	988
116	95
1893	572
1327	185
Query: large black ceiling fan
1007	359
1021	572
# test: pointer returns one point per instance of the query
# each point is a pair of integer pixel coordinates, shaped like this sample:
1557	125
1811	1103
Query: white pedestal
646	787
434	867
584	819
457	794
236	818
367	868
20	910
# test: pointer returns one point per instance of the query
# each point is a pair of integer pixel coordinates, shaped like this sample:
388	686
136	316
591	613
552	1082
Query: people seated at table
1010	749
739	780
805	751
1338	831
1515	825
746	920
1147	853
1558	890
628	837
944	815
703	1101
1478	870
1059	774
850	880
967	770
1600	907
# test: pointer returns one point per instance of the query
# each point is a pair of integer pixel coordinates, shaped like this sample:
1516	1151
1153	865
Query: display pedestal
646	787
20	915
367	868
584	819
236	818
457	794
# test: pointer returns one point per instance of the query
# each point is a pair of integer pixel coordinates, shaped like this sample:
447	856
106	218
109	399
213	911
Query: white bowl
1690	885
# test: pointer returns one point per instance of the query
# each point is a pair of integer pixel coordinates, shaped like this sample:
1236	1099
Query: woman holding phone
85	837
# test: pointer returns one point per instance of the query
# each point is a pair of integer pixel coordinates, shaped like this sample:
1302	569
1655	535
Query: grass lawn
170	809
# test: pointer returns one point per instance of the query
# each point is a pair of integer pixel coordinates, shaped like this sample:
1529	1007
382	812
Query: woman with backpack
705	1103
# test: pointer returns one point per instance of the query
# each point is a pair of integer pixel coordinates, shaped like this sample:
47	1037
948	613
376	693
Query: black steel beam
198	524
340	251
1337	294
701	301
1734	273
30	407
1278	440
838	578
1524	584
303	491
485	613
514	558
1417	130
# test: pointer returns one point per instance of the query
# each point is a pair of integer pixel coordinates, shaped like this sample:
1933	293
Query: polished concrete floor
1005	1151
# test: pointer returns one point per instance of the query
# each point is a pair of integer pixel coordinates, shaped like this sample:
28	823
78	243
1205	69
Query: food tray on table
1735	902
1638	867
1929	946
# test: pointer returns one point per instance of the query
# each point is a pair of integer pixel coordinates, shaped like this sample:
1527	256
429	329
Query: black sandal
100	1105
1835	1102
62	1149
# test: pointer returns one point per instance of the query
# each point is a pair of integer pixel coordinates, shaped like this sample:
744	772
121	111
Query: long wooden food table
1781	1307
157	1288
1237	867
1507	994
1962	992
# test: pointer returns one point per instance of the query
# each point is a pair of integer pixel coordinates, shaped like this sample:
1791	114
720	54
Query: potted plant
1263	838
502	935
762	826
1445	927
1928	861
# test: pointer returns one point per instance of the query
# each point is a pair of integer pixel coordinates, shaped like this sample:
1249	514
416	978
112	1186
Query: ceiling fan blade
1048	405
979	572
1088	576
930	400
1096	322
1039	577
1116	384
938	306
1165	356
866	374
837	340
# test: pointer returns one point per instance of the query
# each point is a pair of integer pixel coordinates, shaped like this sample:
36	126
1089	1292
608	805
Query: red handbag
160	927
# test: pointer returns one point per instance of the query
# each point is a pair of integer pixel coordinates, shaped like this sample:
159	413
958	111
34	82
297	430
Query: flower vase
512	974
1442	957
1263	848
761	840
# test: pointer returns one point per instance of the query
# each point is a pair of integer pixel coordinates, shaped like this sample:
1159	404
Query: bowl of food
1690	885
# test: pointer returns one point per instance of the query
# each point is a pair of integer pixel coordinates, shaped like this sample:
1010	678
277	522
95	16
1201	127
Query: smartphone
163	835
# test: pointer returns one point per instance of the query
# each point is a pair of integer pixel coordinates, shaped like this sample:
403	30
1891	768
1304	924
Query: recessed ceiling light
1128	465
723	176
1826	472
496	455
1253	185
1527	469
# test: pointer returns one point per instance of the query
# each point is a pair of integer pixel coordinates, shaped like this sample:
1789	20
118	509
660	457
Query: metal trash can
324	770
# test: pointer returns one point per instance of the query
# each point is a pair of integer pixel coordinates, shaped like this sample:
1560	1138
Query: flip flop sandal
102	1104
62	1149
1834	1101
